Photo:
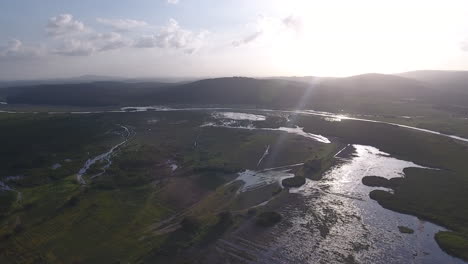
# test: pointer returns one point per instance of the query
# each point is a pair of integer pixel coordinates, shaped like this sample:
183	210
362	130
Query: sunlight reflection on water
335	221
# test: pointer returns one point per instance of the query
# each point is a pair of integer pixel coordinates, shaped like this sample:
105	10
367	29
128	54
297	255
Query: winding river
102	157
335	221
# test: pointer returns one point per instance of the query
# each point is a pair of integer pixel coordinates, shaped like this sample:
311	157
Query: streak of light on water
253	180
291	130
334	220
239	116
264	155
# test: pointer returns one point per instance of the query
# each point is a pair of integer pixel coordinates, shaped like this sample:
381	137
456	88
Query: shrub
189	224
295	181
268	219
405	230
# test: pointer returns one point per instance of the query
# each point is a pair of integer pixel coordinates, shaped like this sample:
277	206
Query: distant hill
362	93
79	79
235	90
443	80
83	94
451	87
304	79
379	85
93	78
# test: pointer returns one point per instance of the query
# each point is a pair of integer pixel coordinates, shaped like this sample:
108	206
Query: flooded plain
231	120
335	221
328	221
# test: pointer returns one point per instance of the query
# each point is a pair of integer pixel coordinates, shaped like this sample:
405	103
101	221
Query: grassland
453	243
135	211
141	210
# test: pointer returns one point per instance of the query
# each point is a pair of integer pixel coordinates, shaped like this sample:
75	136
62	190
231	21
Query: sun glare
344	38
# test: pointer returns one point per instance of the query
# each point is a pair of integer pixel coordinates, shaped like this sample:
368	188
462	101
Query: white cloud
173	36
14	45
173	2
15	49
122	24
73	38
70	37
269	28
64	24
109	41
464	45
247	39
89	44
293	22
147	41
75	47
260	28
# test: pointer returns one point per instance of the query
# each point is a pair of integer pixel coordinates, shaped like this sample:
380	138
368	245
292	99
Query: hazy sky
163	38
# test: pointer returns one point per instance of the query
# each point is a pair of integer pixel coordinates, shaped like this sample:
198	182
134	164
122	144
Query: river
301	112
102	157
335	221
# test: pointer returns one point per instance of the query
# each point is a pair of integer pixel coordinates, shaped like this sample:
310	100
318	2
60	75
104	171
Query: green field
140	210
115	217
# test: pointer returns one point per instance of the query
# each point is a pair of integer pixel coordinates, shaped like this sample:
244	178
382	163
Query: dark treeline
362	93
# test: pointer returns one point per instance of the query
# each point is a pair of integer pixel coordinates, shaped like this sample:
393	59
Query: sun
342	38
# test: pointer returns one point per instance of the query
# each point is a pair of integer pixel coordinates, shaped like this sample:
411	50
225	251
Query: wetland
228	184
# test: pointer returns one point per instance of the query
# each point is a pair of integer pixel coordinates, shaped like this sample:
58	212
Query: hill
443	80
367	93
235	90
82	94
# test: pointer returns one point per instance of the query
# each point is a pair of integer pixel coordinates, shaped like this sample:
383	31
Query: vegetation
405	230
377	181
315	167
267	219
7	198
296	181
139	191
83	94
117	215
453	243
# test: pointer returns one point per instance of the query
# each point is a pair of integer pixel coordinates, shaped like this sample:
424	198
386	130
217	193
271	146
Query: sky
212	38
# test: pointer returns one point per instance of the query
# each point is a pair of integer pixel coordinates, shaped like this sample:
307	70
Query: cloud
75	47
64	24
70	37
261	27
15	49
147	41
122	24
247	39
268	29
109	41
73	38
92	43
173	2
293	22
172	36
464	45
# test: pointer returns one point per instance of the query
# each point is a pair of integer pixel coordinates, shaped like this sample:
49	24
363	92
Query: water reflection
335	221
253	180
239	116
